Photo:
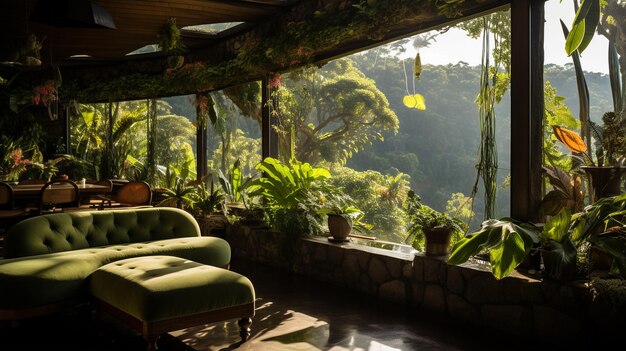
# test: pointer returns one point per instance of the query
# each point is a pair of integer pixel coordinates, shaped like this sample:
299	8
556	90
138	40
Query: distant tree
326	114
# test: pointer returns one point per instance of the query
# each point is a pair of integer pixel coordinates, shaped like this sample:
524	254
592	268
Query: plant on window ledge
291	195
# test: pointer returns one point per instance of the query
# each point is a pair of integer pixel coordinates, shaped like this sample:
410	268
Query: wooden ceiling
138	23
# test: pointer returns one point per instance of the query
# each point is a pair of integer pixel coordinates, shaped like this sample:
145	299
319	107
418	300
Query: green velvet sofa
49	258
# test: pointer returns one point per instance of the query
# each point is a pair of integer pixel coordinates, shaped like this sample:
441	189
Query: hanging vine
487	165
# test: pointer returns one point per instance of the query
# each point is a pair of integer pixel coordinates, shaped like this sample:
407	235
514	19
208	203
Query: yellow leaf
570	139
417	66
414	101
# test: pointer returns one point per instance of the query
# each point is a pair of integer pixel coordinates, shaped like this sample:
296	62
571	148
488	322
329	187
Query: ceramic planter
437	241
339	227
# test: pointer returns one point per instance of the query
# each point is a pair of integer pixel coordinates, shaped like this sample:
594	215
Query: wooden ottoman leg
244	328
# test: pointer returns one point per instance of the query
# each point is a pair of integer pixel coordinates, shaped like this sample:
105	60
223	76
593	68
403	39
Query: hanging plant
29	53
170	42
415	100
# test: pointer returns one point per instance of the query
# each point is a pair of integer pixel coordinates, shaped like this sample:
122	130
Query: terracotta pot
437	241
605	181
339	227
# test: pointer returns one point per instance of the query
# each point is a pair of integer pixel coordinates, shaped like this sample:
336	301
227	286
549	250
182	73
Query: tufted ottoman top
154	288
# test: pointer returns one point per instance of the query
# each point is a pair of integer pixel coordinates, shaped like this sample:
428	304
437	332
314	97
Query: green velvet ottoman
158	294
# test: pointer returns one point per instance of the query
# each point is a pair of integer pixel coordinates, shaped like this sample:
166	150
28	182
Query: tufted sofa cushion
43	279
49	258
79	230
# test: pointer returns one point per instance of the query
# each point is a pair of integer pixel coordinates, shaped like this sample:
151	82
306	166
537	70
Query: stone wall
542	309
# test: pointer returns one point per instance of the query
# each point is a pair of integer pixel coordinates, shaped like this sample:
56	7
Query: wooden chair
135	193
64	196
9	215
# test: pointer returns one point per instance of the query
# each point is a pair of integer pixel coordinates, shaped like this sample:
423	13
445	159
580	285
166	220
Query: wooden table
33	190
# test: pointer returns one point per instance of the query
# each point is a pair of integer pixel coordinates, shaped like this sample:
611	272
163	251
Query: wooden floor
293	313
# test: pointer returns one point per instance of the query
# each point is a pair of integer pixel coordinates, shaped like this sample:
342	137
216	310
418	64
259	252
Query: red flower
275	81
16	155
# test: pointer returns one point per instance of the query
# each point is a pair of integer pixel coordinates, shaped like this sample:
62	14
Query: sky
455	46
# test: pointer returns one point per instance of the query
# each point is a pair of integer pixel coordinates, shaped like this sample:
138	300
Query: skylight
213	28
145	50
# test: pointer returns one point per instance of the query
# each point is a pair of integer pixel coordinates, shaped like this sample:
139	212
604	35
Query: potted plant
291	195
610	149
558	251
342	217
208	208
601	224
177	195
235	186
437	227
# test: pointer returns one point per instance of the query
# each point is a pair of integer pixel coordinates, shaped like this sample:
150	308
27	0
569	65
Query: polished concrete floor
293	313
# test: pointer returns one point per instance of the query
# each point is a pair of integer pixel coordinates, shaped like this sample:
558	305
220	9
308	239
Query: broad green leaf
508	255
583	10
575	37
88	116
468	246
557	227
592	18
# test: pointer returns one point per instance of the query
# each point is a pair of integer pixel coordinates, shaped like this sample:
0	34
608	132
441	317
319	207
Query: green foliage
567	191
178	195
288	186
508	242
367	189
614	244
291	191
123	144
235	184
340	204
598	217
420	216
170	40
460	206
331	113
556	113
584	26
610	139
556	237
207	200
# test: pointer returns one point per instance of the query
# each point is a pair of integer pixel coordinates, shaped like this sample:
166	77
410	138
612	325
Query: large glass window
384	124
